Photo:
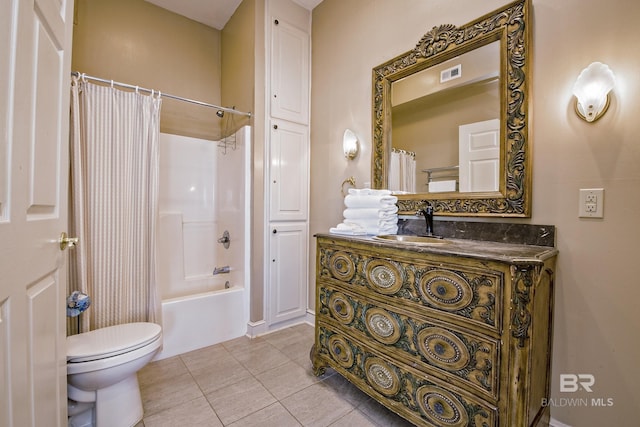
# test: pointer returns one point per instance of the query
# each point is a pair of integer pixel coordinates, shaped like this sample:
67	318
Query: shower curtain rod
167	95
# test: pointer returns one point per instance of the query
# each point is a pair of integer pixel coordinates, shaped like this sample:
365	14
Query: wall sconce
350	144
592	91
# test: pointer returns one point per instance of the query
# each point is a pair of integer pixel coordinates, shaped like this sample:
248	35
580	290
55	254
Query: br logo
572	382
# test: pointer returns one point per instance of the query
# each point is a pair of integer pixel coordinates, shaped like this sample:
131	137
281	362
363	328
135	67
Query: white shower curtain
402	171
114	203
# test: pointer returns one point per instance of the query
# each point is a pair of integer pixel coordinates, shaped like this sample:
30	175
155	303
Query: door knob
67	242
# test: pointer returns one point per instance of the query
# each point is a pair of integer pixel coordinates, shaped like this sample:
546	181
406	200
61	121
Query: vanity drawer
419	397
453	354
468	292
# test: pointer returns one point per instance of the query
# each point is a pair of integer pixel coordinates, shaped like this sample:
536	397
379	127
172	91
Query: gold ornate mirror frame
510	25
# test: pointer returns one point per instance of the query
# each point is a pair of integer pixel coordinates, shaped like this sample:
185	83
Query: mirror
455	110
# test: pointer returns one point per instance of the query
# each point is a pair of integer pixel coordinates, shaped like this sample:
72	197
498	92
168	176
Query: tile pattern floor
266	381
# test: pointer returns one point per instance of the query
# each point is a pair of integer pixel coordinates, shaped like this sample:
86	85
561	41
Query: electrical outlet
591	203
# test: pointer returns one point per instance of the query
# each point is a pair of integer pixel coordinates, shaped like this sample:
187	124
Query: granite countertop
478	249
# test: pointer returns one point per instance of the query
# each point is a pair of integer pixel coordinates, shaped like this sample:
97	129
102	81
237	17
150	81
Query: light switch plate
591	203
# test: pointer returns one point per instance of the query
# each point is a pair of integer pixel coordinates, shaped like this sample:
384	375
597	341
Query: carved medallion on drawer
341	308
381	376
441	407
341	351
342	266
384	276
382	326
445	290
464	293
443	349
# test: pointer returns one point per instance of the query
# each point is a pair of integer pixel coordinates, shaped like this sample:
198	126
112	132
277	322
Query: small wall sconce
592	91
350	144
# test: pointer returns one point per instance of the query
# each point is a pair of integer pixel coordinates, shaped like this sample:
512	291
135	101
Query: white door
288	271
289	71
479	151
35	45
288	171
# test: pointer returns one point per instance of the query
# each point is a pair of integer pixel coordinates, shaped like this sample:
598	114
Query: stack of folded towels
368	212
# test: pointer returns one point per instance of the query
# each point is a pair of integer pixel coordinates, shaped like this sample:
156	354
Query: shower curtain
402	171
114	204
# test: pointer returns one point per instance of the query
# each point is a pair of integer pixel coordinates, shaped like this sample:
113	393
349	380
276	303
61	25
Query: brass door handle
67	242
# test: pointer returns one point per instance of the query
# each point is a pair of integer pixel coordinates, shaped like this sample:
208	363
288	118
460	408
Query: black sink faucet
428	217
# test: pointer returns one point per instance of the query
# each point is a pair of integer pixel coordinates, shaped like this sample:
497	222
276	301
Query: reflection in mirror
448	115
459	101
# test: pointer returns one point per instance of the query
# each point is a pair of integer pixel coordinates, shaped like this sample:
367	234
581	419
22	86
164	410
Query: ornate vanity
457	331
452	333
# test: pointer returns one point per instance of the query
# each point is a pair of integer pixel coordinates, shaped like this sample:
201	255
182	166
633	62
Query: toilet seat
110	341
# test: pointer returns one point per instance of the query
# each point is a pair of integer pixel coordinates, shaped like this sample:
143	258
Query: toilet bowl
101	373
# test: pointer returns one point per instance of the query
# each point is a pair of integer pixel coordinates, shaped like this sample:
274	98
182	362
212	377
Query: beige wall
597	287
243	76
135	42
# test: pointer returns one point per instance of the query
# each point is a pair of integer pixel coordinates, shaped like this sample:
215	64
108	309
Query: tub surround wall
200	197
202	194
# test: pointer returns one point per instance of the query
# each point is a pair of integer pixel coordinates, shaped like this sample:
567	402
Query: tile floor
263	382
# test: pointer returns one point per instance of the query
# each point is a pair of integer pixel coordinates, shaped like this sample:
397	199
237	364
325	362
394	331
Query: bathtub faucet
221	270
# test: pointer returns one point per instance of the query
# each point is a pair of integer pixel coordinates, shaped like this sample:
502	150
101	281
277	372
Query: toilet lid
110	341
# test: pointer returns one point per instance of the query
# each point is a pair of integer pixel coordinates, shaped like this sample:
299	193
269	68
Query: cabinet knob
275	231
276	22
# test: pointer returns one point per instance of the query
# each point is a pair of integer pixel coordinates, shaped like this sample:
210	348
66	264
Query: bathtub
202	196
195	321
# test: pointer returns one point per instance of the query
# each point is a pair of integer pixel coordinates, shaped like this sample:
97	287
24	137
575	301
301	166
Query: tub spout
221	270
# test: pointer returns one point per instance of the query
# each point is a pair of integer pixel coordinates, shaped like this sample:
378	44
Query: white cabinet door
479	151
289	72
35	45
288	271
288	172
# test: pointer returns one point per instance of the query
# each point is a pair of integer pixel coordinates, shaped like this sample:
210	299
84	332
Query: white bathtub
196	321
203	193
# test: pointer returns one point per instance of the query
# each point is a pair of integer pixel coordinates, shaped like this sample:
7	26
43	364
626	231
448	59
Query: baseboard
255	329
555	423
311	317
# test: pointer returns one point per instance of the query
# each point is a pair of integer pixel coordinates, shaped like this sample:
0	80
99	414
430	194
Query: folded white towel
369	213
373	223
348	229
386	230
371	201
375	231
368	192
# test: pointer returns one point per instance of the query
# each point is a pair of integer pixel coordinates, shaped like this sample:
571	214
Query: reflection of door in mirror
429	106
479	151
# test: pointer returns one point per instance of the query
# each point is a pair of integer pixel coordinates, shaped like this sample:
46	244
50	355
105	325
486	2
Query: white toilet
102	385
